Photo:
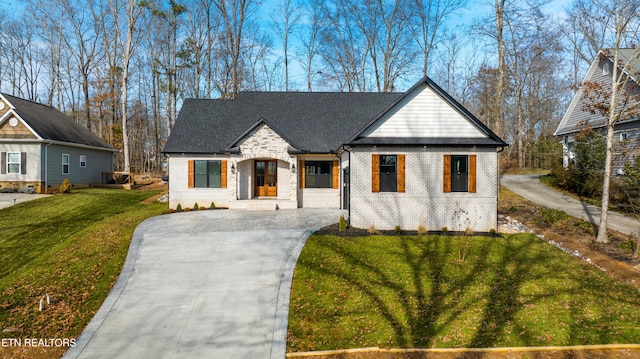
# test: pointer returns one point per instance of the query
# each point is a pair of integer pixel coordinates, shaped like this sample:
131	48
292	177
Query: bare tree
84	47
24	59
497	99
285	19
234	14
310	41
430	18
128	44
621	19
587	30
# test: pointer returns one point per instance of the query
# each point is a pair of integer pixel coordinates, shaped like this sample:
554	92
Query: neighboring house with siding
580	114
40	147
390	159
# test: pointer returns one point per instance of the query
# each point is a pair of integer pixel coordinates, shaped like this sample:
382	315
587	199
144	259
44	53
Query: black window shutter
23	163
3	163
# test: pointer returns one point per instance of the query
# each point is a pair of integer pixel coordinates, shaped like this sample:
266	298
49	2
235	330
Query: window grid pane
318	174
13	168
207	174
459	174
388	173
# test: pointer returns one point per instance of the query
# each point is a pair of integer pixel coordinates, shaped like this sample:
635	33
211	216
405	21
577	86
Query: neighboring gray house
391	159
40	147
579	115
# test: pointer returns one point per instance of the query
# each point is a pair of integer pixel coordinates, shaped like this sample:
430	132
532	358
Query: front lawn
71	247
419	292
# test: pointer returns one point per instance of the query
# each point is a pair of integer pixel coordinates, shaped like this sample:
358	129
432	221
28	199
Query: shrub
343	224
373	230
445	230
213	205
492	231
65	187
195	206
559	177
587	171
630	187
202	208
397	230
179	208
552	216
422	229
8	190
187	209
27	189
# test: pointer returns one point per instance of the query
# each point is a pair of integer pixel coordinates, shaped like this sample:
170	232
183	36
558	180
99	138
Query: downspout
498	185
344	148
46	166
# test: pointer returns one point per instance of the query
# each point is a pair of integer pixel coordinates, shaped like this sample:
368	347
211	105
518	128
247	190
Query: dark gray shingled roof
51	124
316	122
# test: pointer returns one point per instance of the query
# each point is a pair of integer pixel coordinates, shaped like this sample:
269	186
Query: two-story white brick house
409	159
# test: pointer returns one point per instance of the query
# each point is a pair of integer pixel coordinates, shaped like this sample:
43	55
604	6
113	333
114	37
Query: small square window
83	161
623	136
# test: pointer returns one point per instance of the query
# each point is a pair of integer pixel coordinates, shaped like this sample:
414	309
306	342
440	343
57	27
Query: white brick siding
180	193
320	197
424	201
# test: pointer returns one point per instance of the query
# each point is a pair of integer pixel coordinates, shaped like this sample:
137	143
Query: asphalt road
530	187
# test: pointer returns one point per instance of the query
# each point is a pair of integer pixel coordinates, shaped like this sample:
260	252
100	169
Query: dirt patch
157	185
578	235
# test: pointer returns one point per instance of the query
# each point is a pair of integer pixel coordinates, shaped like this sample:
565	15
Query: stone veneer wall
16	185
265	143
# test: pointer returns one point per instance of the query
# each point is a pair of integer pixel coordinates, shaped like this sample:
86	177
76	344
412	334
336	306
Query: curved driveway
530	187
206	284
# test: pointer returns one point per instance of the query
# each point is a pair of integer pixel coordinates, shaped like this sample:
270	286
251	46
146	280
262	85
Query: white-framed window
13	162
83	161
623	136
65	163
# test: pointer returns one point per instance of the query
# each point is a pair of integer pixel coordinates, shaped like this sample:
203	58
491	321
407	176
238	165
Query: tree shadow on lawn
510	291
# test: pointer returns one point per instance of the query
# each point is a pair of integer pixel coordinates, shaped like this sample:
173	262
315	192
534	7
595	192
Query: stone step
262	206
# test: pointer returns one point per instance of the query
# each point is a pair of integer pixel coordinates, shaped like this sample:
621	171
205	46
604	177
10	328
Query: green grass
70	246
414	292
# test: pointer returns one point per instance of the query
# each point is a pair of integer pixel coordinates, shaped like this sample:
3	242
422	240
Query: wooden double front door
266	184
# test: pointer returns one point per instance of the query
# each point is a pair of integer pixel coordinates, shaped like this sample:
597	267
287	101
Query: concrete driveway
530	187
9	199
206	284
